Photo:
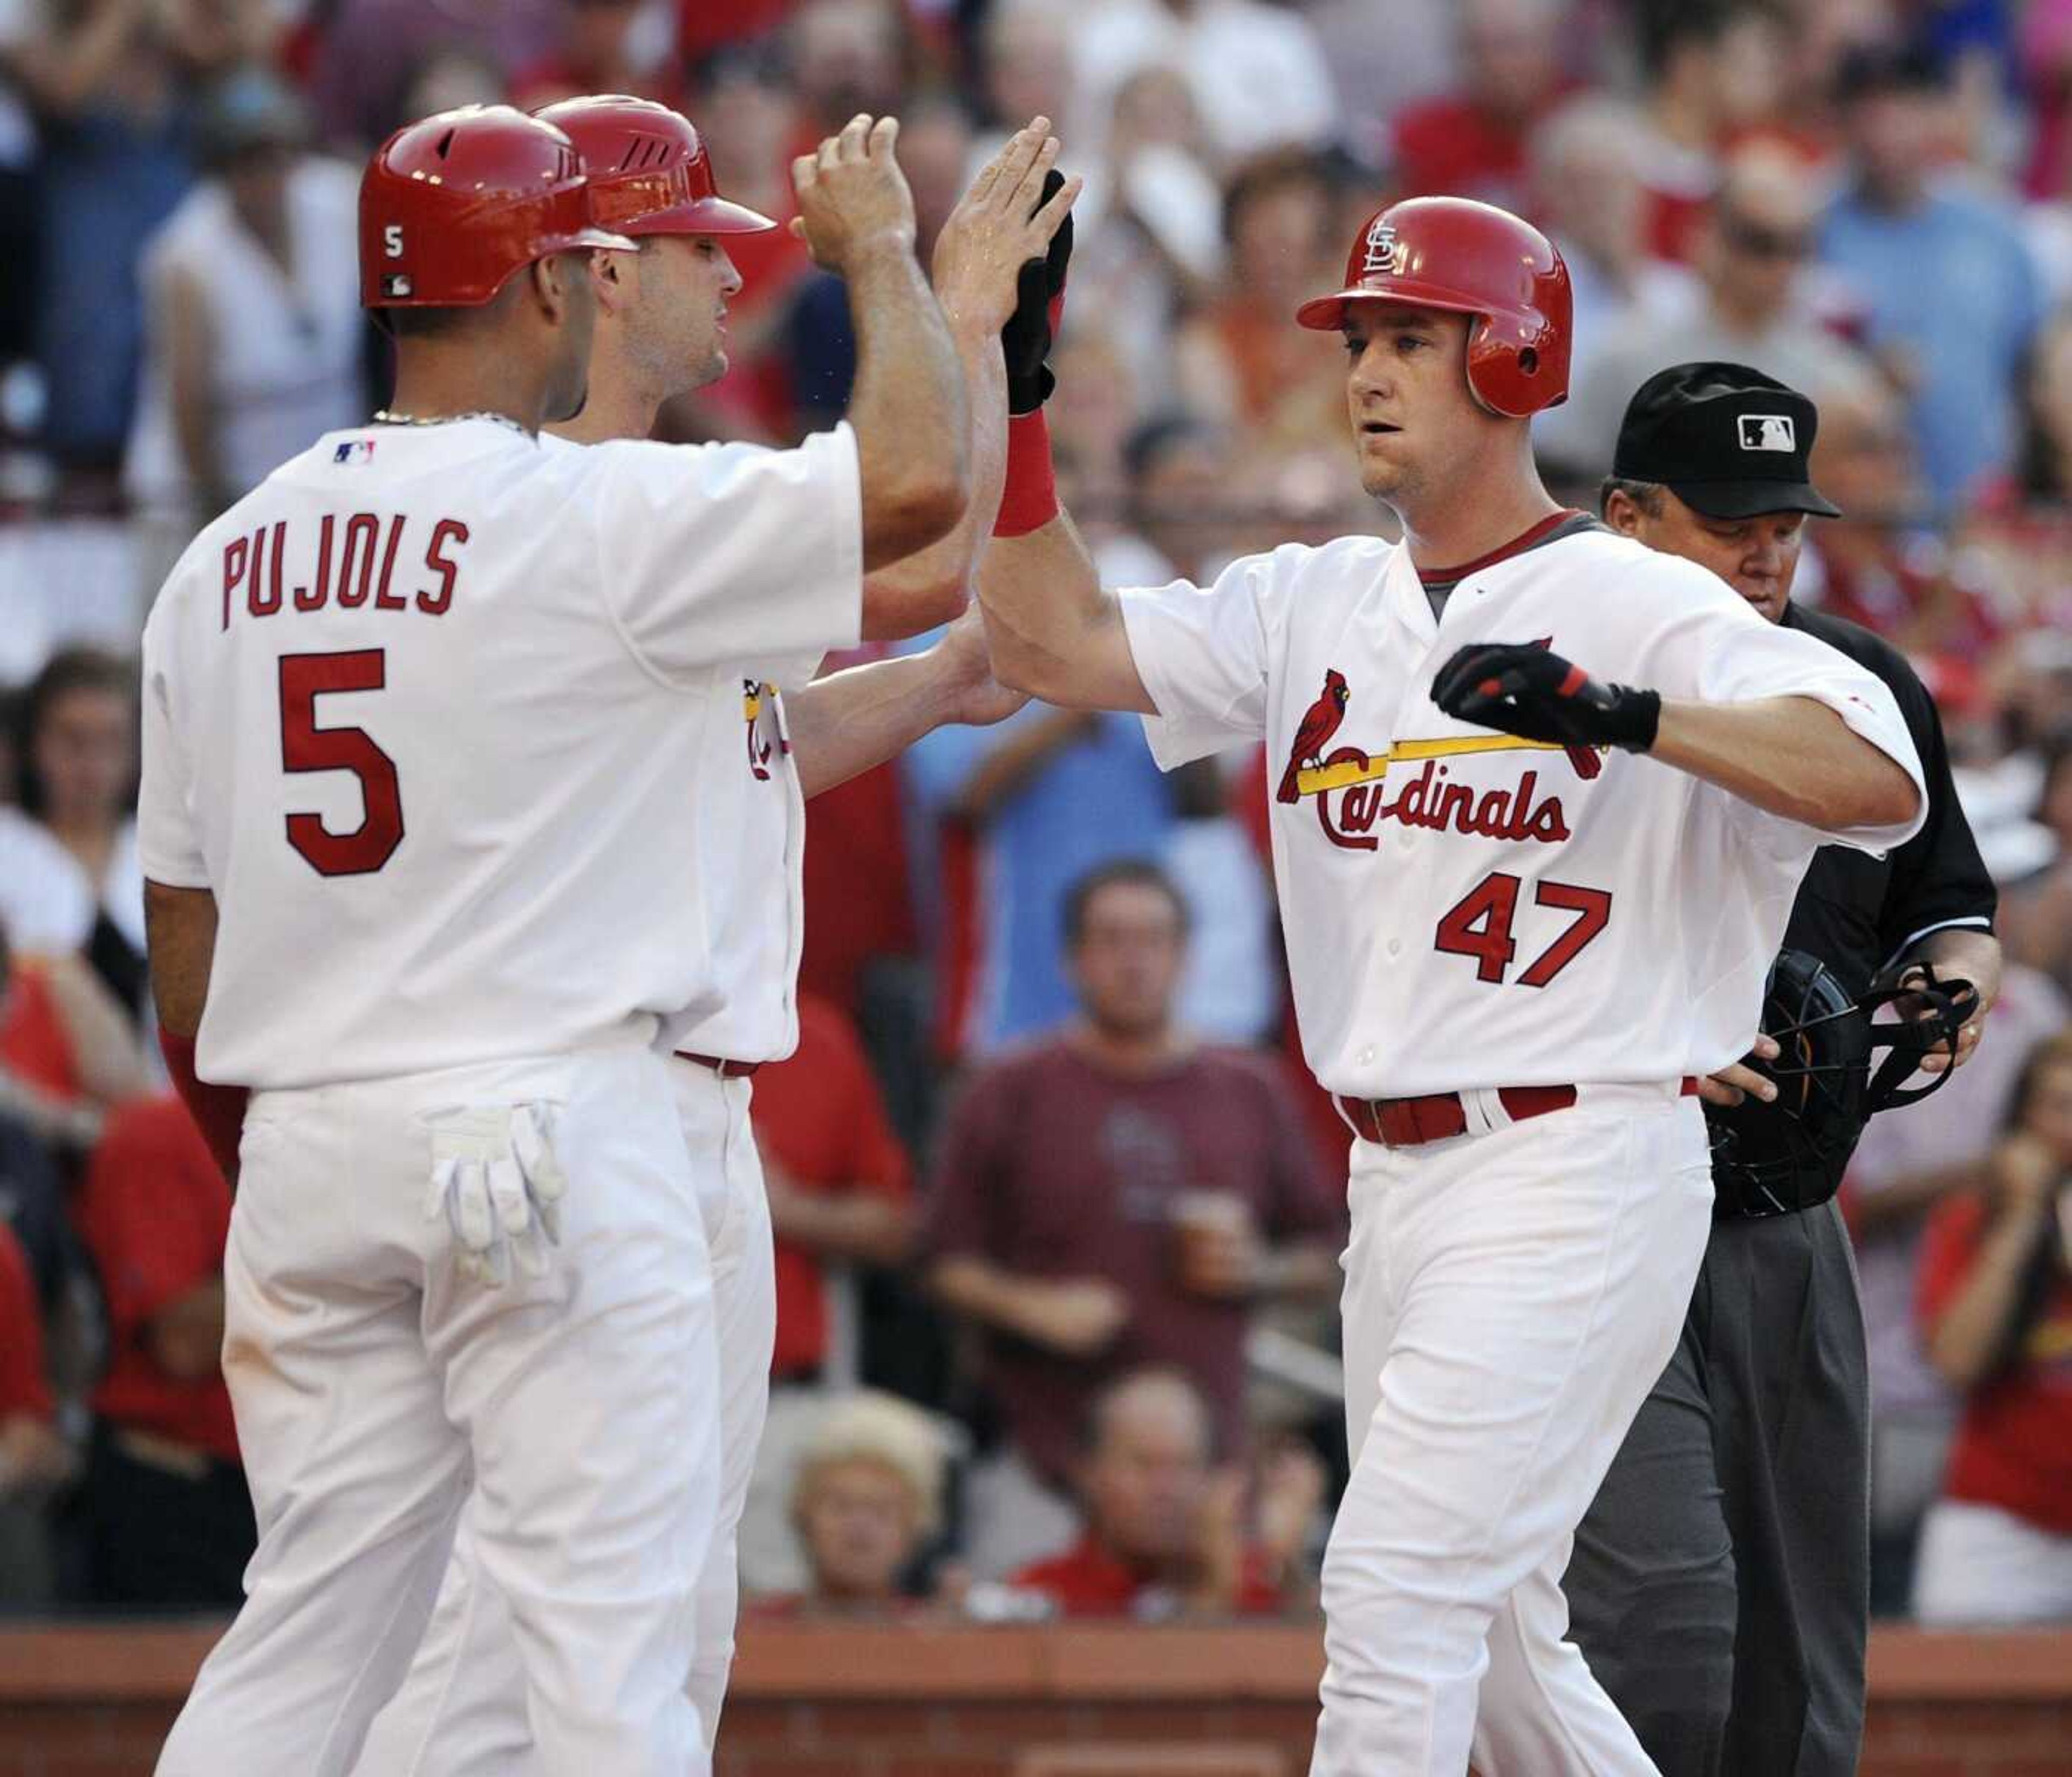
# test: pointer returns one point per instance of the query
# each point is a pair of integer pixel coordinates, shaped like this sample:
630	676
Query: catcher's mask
1773	1159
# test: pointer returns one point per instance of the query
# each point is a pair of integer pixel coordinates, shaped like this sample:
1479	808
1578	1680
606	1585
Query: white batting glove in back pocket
498	1186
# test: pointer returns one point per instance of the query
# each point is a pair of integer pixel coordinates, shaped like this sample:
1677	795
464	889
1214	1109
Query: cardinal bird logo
1318	727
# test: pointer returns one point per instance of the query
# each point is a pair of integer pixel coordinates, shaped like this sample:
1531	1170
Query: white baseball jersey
1463	909
426	710
744	796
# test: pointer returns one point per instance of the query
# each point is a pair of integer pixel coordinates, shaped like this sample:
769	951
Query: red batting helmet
649	172
1476	260
450	206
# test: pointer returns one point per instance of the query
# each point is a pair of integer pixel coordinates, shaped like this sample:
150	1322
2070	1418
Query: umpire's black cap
1728	440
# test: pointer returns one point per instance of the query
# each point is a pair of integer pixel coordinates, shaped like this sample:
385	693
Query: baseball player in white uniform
1524	909
420	712
771	738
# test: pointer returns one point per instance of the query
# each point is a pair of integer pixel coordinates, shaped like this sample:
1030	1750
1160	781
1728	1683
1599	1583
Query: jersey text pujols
352	562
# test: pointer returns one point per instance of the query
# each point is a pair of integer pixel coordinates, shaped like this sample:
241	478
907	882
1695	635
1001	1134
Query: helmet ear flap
1513	360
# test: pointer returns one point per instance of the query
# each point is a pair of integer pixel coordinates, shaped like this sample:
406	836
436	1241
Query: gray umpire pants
1720	1584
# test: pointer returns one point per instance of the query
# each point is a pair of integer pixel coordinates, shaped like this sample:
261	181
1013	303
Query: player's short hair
1142	871
1647	495
882	1429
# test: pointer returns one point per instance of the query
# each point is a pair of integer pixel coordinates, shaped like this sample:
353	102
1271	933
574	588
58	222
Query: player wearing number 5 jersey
1524	905
422	712
770	740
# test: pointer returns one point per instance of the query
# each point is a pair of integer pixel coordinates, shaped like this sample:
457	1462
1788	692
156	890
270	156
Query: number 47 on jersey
1479	924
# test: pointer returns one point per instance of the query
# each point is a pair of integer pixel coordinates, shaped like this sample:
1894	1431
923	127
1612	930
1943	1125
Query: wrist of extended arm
1029	499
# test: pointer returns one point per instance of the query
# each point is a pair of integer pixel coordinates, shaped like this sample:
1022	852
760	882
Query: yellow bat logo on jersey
1428	799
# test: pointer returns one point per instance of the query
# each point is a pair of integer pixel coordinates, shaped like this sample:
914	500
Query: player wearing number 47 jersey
1551	796
424	716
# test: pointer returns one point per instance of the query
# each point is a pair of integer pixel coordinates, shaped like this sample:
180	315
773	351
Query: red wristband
1029	500
218	1111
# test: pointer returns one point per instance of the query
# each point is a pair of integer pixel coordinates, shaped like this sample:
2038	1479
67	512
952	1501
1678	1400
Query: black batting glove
1518	688
1026	338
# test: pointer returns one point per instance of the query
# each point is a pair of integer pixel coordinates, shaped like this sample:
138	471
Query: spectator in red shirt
170	1520
1713	70
839	1183
1996	1310
32	1458
1113	1196
1165	1534
67	1052
1880	565
1472	143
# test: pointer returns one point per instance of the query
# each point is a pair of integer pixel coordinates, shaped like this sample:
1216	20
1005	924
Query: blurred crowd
1057	1207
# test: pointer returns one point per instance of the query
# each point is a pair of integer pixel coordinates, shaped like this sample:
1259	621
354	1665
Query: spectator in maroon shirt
1112	1195
1165	1534
170	1518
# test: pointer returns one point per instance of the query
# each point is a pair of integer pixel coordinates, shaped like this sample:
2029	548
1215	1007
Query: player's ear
613	276
546	286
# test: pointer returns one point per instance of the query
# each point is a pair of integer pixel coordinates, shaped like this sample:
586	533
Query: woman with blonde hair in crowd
866	1503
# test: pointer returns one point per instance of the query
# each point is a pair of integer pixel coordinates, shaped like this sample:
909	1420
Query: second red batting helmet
649	172
1472	259
452	205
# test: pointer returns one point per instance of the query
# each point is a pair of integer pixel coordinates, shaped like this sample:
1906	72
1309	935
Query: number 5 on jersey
1478	924
305	747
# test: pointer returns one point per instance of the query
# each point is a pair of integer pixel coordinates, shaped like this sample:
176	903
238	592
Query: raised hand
852	198
1005	221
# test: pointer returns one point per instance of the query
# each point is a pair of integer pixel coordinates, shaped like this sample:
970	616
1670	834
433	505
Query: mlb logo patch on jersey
1769	432
355	450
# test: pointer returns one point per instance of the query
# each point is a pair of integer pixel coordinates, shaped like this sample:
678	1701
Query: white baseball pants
461	1711
1511	1297
376	1390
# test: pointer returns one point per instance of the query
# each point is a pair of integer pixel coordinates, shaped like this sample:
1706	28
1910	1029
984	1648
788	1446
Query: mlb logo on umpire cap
1769	432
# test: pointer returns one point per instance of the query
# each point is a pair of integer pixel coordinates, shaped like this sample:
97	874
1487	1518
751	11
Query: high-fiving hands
1006	221
854	198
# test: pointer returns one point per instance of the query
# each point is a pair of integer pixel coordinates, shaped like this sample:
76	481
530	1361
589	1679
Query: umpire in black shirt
1720	1583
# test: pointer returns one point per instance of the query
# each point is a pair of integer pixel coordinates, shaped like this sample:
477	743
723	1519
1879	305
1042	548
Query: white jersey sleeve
1205	653
715	553
1714	647
168	840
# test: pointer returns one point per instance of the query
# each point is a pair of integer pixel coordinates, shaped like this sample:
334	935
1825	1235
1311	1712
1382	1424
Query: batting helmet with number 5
1471	259
450	206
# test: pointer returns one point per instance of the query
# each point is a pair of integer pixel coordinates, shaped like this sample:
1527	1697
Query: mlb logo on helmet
1380	249
1769	432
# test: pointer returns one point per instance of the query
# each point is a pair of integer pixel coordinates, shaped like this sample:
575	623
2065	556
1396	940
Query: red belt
1406	1122
719	1064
